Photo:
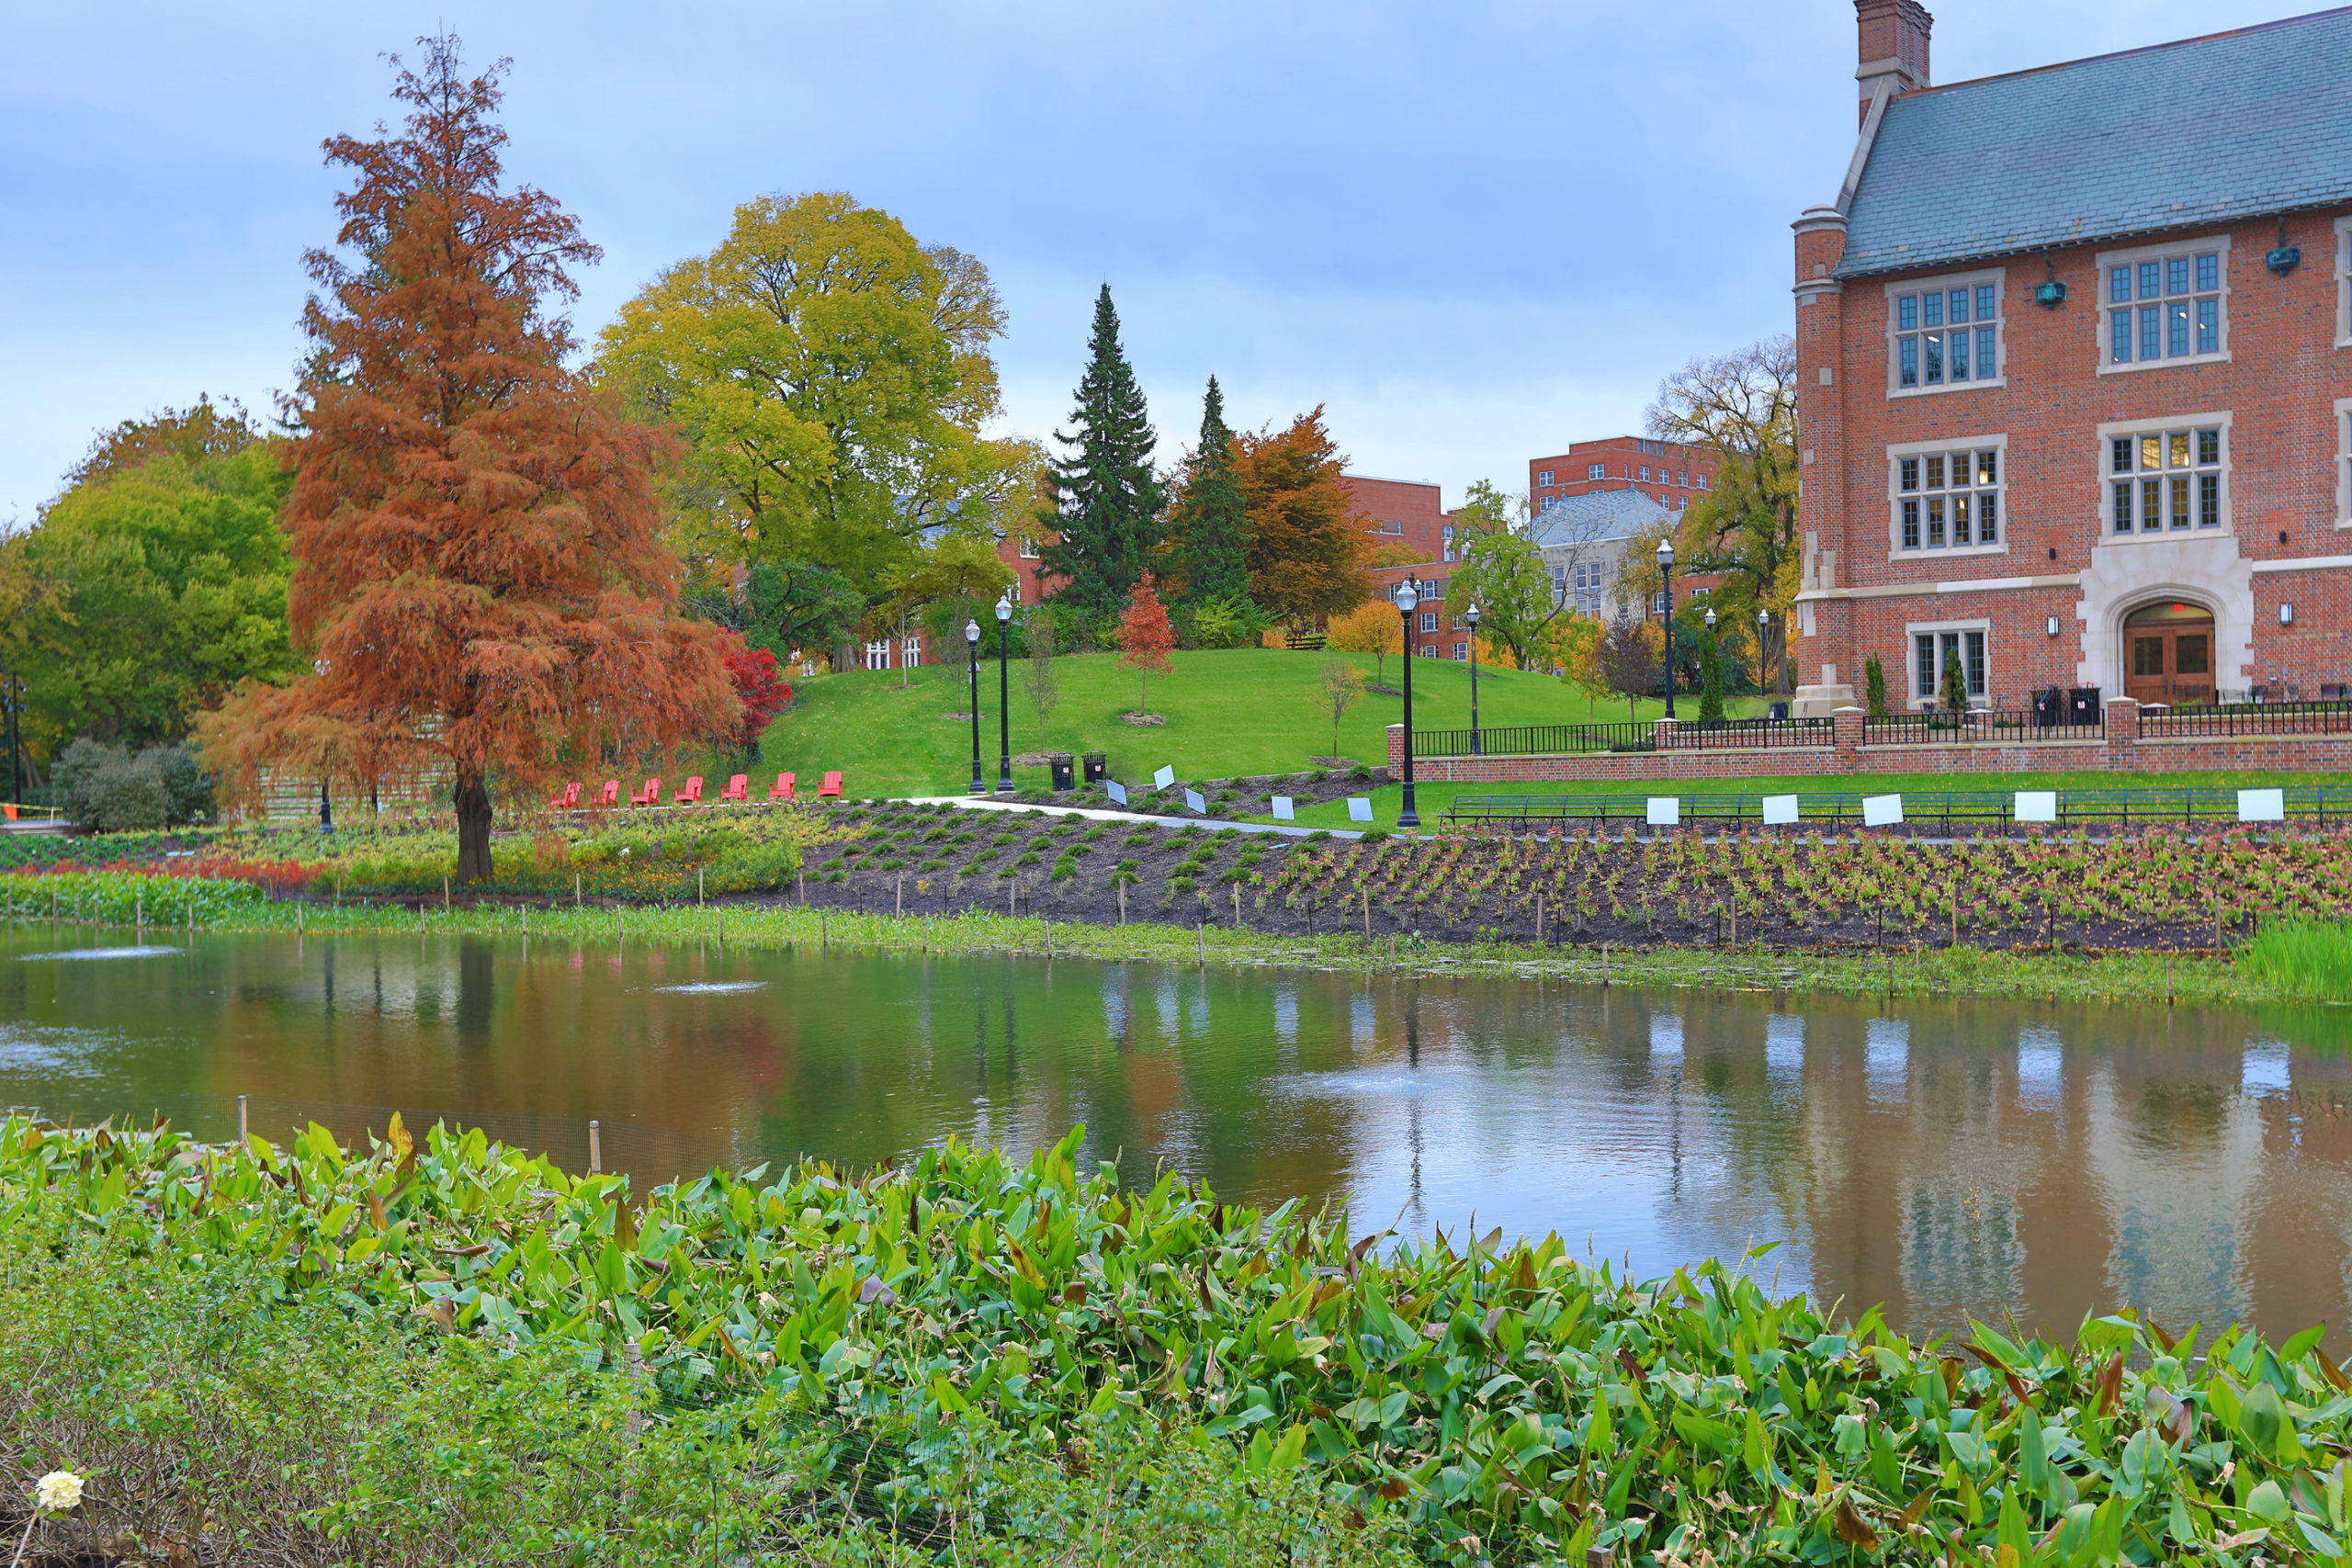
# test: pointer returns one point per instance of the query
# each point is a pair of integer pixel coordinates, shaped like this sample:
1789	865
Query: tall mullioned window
1946	335
2165	481
1948	500
1930	651
2162	307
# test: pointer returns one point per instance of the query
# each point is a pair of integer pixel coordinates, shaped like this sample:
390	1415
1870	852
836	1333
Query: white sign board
2037	805
1666	810
1163	778
1194	801
2261	805
1283	811
1780	810
1882	810
1359	809
1116	791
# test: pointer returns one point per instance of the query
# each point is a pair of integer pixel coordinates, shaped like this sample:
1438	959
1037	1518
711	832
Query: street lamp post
326	805
972	646
13	691
1763	632
1666	580
1406	598
1472	619
1004	696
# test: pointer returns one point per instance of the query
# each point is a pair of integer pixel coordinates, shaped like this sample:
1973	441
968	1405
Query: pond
1949	1159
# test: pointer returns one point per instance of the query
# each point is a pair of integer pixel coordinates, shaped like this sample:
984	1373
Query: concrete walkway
1097	814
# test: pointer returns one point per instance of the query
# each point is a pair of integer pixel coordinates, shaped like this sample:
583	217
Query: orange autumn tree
1308	544
479	576
1145	637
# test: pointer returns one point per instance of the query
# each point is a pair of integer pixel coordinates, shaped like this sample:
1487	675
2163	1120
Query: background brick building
1668	475
2075	352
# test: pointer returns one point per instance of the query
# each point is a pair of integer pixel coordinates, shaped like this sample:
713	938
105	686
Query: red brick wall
1416	510
1625	460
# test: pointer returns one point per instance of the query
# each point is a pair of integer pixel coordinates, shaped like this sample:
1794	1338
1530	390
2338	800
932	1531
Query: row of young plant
1508	1400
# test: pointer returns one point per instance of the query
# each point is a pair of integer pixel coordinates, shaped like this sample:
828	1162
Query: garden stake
1367	915
595	1150
575	890
297	920
1236	906
444	893
697	888
1604	964
2168	979
241	1118
1201	934
899	899
1123	903
526	920
824	934
139	917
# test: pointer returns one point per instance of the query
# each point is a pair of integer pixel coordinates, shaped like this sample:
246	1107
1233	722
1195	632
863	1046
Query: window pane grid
2176	482
2166	309
1947	337
1948	500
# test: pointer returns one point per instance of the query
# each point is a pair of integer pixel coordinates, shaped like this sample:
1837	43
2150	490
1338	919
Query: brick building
2075	363
1668	475
1411	513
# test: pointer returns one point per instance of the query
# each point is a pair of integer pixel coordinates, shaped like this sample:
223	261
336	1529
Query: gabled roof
1595	516
2206	131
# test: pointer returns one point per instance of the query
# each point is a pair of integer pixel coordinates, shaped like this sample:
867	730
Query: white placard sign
1666	810
1283	811
2037	805
1163	778
1359	809
1193	801
1116	791
2261	805
1882	810
1780	810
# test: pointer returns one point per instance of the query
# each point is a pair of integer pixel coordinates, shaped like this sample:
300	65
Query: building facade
1667	474
2075	363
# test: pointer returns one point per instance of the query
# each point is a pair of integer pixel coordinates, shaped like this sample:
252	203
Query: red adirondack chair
568	801
691	794
833	786
649	796
612	796
738	788
782	788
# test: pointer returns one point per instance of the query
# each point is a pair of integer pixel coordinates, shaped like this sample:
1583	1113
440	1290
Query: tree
1505	575
478	566
1711	679
1875	686
953	568
1107	497
792	606
1375	628
1742	408
1337	691
200	431
1145	637
1579	647
1307	539
1485	511
1629	659
1953	695
830	377
1208	552
1039	680
759	688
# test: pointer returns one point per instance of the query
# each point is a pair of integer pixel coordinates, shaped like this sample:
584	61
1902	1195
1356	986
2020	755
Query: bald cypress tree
1109	498
1208	533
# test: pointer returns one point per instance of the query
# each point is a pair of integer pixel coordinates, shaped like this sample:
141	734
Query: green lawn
1231	712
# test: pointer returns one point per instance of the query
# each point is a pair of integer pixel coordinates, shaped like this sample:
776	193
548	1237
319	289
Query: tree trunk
472	800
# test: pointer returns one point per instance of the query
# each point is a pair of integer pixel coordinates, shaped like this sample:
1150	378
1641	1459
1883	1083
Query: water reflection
1947	1158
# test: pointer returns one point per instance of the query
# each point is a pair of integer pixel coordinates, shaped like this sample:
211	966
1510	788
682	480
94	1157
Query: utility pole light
1005	695
972	646
1407	597
1665	579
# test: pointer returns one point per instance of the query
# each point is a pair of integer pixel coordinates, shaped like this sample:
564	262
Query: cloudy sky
1474	230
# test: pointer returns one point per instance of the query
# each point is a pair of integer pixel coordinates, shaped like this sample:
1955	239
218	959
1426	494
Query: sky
1473	232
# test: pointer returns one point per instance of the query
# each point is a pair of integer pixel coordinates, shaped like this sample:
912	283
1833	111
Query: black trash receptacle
1779	712
1098	767
2082	704
1065	774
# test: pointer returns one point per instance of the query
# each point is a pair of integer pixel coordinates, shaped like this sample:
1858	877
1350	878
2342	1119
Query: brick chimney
1893	38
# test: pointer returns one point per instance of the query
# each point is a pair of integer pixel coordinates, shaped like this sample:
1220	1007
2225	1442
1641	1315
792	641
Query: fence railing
2259	718
1732	734
1532	739
1980	724
1943	811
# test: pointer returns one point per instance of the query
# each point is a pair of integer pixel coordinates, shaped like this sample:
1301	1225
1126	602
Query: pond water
1948	1158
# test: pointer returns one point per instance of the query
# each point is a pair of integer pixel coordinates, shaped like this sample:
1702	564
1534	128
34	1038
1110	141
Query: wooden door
2168	655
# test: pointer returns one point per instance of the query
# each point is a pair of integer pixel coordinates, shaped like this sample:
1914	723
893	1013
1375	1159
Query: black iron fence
1532	740
1947	812
2002	727
2227	720
1731	734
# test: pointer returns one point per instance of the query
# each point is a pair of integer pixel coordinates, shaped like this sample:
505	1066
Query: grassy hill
1229	712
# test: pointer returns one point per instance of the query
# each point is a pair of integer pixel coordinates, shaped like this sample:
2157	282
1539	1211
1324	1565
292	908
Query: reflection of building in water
1961	1249
2178	1168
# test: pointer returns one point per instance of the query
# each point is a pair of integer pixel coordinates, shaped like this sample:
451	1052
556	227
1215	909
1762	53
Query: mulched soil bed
2185	893
1230	800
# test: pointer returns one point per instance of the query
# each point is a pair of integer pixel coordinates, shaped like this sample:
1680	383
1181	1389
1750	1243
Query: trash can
2082	704
1779	712
1098	767
1064	773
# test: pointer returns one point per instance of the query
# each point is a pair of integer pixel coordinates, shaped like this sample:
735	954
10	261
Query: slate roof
2200	132
1597	515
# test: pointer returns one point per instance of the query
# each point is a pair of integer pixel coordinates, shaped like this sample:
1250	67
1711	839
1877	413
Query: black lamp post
972	646
1004	696
1763	632
1472	619
1666	578
327	806
12	691
1407	597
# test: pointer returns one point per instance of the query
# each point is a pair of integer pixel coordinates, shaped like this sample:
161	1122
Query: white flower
57	1491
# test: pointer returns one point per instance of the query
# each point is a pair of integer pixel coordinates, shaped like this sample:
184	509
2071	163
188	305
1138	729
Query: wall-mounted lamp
2050	293
2286	613
2283	259
2054	625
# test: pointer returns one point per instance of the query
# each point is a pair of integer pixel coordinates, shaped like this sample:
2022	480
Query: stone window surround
1999	278
1915	629
2132	257
2344	462
1895	454
2107	433
2344	283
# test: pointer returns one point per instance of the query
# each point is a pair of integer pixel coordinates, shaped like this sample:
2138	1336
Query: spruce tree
1208	537
1108	515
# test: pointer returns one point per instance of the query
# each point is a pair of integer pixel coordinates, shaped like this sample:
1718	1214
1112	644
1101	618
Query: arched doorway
2169	653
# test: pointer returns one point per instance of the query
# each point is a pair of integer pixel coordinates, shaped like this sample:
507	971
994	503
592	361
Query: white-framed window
1449	541
1682	502
2164	478
1544	477
877	656
911	654
1682	479
1461	651
1933	646
1943	333
2344	283
1596	471
2164	305
1428	620
1028	547
1588	588
2344	462
1658	603
1702	481
1430	651
1646	473
1946	496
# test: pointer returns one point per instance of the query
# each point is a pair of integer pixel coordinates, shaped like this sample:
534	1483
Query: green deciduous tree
1485	510
1206	555
1107	498
1503	573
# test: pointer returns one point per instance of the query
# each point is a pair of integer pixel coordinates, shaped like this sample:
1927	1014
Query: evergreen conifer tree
1875	686
1208	537
1108	515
